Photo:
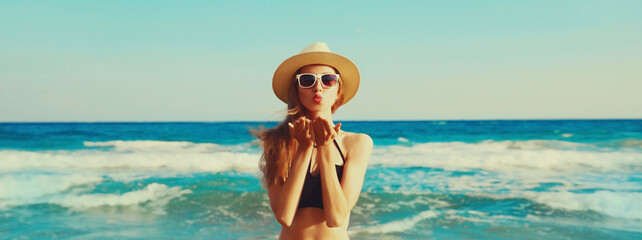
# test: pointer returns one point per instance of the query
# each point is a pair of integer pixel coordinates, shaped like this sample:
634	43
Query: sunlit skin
317	128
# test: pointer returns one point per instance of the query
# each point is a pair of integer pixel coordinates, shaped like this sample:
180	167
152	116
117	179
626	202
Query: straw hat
316	53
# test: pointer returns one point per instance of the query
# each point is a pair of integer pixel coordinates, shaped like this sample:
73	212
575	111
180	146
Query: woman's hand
323	132
302	131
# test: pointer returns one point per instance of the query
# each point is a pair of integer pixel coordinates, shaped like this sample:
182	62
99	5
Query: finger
313	124
318	127
337	127
290	128
306	131
327	127
305	125
315	127
332	132
327	130
302	123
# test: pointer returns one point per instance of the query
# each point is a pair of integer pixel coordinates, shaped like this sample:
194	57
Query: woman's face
318	97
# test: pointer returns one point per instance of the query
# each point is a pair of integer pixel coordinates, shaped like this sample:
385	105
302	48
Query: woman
314	171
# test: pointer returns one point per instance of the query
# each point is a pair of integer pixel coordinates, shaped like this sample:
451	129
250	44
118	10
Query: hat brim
349	74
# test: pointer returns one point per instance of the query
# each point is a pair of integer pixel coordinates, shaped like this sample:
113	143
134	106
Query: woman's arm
340	198
284	198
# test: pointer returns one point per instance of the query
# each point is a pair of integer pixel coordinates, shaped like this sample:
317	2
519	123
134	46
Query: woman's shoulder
358	140
358	147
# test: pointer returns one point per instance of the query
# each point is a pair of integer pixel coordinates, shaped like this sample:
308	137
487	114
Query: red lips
317	98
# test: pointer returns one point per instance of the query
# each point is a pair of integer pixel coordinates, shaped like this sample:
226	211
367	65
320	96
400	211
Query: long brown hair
279	147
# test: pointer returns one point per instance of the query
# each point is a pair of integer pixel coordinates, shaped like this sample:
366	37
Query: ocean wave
397	225
473	216
615	204
615	195
71	190
553	176
506	156
632	143
623	205
159	146
31	187
11	160
153	198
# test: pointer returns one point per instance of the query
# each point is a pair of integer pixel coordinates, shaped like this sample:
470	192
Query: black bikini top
311	195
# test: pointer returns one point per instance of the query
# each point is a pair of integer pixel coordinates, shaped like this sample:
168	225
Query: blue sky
419	60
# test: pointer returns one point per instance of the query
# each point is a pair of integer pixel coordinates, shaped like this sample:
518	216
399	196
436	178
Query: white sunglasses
307	80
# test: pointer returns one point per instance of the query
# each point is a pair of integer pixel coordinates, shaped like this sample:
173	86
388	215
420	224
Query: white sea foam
34	187
398	225
153	197
146	160
63	177
70	189
510	167
541	171
159	146
620	198
507	156
31	185
616	204
135	175
467	216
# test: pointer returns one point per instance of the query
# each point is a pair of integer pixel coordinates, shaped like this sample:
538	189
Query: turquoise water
544	179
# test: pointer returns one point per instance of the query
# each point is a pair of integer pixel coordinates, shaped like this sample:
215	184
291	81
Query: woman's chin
316	106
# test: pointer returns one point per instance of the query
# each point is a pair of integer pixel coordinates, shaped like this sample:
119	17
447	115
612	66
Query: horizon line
389	120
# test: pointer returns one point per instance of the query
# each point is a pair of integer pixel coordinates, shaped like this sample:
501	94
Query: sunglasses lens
329	80
307	80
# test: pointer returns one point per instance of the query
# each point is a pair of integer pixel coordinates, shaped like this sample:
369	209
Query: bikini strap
309	166
336	144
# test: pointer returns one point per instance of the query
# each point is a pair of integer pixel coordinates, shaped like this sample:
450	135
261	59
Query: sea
487	179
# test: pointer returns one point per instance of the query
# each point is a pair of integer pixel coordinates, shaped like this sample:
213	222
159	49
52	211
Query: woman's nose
318	85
